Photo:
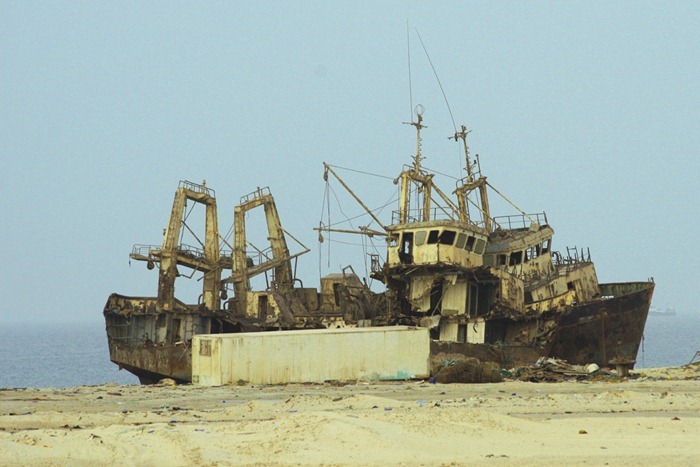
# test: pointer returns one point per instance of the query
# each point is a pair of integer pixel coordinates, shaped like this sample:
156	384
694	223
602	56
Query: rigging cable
381	208
378	210
364	254
184	221
361	172
410	85
325	205
346	243
328	208
340	207
438	80
226	237
440	173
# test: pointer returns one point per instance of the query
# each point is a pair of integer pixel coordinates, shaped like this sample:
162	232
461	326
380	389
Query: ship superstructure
495	282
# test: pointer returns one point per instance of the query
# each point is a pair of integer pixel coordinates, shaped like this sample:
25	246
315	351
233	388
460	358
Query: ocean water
65	355
57	355
669	340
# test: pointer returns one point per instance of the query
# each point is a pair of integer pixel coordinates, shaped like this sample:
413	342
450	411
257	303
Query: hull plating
607	329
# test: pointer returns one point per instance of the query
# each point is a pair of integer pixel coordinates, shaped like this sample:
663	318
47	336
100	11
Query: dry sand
651	420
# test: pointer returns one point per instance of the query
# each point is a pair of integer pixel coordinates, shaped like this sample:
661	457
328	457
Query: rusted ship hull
597	332
610	328
155	345
153	363
607	329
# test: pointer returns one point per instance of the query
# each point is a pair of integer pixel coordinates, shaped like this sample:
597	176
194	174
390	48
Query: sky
588	111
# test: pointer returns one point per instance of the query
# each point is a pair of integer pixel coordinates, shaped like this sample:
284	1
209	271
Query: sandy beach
652	419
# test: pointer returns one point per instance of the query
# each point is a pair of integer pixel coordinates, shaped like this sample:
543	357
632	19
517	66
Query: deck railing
520	221
197	188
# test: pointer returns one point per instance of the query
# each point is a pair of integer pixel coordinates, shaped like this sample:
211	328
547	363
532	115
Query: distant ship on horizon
654	311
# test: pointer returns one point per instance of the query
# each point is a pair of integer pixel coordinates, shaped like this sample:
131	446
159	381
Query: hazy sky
589	111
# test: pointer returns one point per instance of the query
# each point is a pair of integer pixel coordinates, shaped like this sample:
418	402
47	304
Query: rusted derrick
151	336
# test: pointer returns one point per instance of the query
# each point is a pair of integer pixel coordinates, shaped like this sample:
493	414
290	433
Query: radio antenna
410	85
438	80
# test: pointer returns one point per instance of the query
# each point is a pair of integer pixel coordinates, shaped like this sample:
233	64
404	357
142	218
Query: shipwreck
489	287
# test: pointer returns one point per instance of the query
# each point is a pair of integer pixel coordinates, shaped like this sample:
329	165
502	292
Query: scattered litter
555	370
74	427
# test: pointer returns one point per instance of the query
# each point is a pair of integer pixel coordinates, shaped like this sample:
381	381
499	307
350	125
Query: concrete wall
311	356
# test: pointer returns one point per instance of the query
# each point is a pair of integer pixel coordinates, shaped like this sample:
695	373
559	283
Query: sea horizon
75	353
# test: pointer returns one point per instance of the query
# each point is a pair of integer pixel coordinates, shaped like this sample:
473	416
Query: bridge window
406	250
461	240
516	258
433	237
470	244
502	260
546	245
407	242
393	240
448	237
420	237
480	246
